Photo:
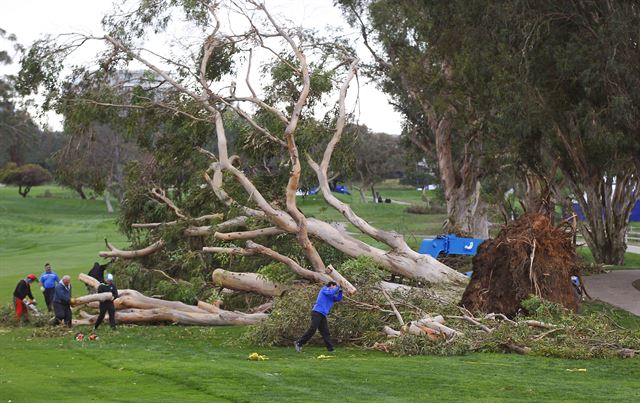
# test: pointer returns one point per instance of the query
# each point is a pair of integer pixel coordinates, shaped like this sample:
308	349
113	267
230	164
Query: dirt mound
529	256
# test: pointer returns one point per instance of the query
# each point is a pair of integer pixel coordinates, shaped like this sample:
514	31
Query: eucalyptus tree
204	86
421	55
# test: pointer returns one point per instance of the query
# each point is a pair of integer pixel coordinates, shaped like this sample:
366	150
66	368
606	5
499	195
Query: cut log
432	324
247	282
391	332
261	308
103	296
393	287
340	280
143	302
88	280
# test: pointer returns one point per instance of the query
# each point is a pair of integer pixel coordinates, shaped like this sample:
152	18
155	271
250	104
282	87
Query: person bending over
23	289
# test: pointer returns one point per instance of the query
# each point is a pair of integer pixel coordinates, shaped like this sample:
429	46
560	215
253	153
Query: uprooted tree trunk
135	307
528	257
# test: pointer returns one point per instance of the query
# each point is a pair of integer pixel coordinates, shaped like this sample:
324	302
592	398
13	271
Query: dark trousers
48	297
318	322
104	308
63	314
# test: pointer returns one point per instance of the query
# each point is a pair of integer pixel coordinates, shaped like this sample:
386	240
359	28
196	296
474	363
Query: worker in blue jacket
329	294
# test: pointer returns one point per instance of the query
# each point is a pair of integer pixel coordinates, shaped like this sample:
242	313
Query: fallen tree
202	95
135	307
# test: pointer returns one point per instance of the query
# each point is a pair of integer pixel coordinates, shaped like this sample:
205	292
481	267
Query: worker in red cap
23	289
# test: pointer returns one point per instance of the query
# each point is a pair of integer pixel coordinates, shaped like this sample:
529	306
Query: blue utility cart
449	245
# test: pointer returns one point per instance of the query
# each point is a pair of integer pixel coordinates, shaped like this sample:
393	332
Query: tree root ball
530	256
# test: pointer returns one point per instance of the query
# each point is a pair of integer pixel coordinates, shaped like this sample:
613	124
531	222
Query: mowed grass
631	260
63	229
176	364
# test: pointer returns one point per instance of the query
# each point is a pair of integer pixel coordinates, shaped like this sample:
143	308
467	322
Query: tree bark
251	282
606	204
85	299
158	315
107	201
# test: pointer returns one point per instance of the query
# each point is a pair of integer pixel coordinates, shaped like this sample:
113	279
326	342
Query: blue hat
109	277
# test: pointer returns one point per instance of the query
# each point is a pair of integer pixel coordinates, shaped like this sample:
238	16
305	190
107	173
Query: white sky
32	19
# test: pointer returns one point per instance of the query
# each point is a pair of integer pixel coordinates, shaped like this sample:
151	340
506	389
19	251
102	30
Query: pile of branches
415	321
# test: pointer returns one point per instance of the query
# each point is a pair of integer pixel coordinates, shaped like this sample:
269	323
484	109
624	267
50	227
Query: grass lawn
64	230
175	364
170	364
631	260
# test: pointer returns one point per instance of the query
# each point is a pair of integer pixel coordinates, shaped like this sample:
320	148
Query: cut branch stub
247	282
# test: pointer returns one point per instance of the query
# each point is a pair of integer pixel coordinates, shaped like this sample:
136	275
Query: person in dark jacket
62	302
48	281
97	271
329	294
107	306
23	290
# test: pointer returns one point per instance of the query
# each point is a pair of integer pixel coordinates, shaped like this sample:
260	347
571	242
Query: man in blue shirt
329	294
48	281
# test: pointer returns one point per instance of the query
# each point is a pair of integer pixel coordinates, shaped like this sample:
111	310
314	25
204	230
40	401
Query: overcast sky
31	19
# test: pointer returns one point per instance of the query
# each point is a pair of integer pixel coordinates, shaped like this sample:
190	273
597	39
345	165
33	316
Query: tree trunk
80	192
155	315
363	196
24	191
467	212
251	282
405	262
107	201
606	204
86	299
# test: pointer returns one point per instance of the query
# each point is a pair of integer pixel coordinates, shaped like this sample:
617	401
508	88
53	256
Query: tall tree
17	130
419	59
572	68
377	156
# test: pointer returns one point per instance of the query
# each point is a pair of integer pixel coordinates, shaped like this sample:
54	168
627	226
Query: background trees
545	90
24	176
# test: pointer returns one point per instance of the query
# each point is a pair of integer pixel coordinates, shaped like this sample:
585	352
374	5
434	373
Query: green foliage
354	320
176	292
24	176
277	272
360	319
362	270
